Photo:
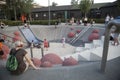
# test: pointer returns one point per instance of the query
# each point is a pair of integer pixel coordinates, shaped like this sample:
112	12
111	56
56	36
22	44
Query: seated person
22	57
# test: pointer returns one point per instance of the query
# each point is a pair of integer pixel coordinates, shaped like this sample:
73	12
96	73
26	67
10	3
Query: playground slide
29	36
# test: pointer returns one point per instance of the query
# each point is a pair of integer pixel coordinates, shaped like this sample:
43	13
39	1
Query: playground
79	45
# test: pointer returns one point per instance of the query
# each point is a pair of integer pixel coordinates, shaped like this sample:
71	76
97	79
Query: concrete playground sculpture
30	37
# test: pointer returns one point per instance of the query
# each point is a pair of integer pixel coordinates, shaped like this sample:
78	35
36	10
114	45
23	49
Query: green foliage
14	8
54	4
85	6
12	23
42	22
26	6
74	3
118	3
99	20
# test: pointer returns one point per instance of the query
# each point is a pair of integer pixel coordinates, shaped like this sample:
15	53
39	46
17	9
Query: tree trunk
30	17
15	15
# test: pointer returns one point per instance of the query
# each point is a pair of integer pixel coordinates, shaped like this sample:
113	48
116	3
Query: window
36	15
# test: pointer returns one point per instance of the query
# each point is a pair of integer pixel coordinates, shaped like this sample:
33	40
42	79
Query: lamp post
49	11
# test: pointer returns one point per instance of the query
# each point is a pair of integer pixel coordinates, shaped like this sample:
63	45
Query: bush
12	23
35	22
99	20
42	22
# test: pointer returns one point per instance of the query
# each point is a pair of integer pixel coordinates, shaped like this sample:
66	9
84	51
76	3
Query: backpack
12	62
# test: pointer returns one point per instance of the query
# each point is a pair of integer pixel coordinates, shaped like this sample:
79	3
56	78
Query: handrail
115	22
9	37
79	35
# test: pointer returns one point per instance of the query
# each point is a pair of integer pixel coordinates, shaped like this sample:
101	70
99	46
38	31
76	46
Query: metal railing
80	34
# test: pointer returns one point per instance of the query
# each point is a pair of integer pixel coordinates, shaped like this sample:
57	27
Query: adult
107	19
22	57
85	21
72	20
2	25
115	37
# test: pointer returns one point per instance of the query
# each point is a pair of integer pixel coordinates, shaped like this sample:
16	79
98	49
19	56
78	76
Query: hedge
41	22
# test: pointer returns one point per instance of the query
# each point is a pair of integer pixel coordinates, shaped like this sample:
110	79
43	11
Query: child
46	44
63	41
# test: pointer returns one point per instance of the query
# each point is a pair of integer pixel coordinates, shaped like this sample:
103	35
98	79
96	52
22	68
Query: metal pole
31	49
42	51
49	12
116	23
105	50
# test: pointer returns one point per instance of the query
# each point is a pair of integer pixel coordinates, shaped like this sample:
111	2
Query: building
99	10
63	12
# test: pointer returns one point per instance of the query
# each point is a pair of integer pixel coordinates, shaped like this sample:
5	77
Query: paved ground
56	48
86	71
83	71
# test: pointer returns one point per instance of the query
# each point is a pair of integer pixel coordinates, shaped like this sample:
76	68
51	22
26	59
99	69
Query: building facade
63	12
99	10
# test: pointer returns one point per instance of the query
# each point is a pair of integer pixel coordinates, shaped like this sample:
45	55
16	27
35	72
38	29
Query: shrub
12	23
42	22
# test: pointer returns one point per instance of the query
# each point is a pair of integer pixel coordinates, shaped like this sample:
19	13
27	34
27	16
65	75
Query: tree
9	9
26	6
74	3
85	6
54	4
118	3
14	8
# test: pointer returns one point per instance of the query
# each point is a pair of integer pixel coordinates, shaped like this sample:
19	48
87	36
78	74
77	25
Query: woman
22	57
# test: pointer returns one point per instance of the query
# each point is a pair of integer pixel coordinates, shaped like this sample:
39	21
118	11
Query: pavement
82	71
55	48
85	71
